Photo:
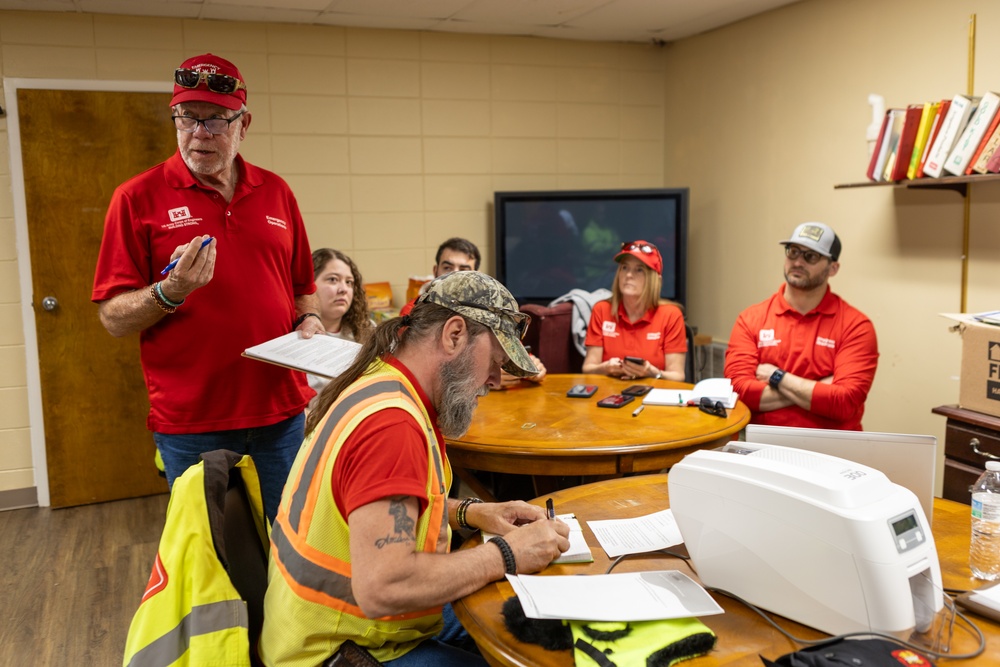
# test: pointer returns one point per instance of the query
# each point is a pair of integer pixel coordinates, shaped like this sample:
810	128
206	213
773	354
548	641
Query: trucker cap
645	252
483	299
816	236
202	92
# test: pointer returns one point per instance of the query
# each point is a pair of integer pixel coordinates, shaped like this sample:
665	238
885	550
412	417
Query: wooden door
77	146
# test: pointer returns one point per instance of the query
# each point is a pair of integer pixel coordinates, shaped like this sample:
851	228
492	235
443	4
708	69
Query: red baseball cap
201	93
645	252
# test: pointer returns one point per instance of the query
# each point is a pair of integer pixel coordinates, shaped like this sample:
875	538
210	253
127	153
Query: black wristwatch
302	318
776	378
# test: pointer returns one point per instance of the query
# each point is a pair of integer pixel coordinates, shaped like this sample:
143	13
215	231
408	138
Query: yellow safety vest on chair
191	613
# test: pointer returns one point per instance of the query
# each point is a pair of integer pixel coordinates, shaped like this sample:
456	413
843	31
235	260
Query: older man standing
203	256
804	357
360	547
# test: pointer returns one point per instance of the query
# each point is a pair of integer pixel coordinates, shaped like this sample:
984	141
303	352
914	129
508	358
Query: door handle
50	303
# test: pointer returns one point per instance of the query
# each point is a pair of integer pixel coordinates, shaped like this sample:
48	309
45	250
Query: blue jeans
452	647
273	449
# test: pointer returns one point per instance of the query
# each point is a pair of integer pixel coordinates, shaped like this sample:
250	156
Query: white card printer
821	540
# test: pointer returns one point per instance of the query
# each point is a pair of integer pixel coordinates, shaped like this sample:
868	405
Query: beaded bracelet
462	508
509	564
158	301
163	297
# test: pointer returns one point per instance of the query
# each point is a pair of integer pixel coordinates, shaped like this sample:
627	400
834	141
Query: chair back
551	338
689	365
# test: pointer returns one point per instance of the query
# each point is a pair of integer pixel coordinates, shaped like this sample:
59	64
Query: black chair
689	362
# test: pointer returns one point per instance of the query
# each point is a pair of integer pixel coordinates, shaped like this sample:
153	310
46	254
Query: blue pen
174	262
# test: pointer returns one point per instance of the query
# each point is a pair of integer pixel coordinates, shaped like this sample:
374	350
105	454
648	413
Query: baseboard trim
15	499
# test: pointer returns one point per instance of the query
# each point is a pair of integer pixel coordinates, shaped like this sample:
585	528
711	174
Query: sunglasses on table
217	83
810	256
644	248
710	407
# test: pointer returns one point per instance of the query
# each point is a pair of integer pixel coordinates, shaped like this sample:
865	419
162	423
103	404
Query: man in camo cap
370	486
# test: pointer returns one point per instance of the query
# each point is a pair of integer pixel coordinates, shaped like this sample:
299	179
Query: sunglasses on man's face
644	248
217	83
710	407
794	252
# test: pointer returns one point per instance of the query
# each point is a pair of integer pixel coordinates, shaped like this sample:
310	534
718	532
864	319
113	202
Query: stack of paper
716	389
327	356
989	317
579	550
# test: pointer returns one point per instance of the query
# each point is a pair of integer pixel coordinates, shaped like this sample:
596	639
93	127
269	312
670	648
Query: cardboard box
979	385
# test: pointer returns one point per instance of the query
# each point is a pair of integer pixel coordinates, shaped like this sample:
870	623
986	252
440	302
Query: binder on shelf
907	137
939	116
958	116
923	133
972	134
986	148
894	119
877	152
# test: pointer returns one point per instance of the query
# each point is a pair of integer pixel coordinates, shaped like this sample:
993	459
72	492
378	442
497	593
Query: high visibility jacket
310	608
190	613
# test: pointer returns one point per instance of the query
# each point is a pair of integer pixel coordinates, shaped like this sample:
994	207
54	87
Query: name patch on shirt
825	342
277	222
655	335
765	338
609	328
180	217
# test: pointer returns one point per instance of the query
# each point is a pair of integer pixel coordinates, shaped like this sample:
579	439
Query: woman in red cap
634	323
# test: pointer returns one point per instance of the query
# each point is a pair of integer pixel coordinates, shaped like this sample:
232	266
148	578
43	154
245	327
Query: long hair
357	319
424	321
650	297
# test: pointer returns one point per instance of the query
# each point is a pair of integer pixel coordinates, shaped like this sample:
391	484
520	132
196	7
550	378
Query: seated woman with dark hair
634	322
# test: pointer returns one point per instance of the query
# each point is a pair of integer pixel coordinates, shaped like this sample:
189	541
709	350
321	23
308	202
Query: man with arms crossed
360	547
243	275
804	357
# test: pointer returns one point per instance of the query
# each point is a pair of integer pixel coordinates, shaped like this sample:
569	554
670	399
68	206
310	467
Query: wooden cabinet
971	439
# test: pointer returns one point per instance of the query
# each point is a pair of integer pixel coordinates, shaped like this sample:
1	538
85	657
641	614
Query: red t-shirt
197	380
834	339
660	331
385	456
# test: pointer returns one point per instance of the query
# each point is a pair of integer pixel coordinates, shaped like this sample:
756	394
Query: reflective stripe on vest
328	582
201	620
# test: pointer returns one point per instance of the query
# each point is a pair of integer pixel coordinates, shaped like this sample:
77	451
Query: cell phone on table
582	390
636	360
636	390
615	401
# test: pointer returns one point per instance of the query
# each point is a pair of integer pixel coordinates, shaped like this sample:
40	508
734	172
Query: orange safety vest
310	608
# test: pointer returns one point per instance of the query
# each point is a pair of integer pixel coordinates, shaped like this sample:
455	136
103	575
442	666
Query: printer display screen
907	523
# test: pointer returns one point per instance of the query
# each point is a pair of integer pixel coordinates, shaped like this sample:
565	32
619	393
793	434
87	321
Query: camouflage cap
482	298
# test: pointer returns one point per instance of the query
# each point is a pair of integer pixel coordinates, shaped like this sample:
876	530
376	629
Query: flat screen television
548	243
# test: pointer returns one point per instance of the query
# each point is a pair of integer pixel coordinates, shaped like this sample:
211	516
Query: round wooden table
535	429
742	635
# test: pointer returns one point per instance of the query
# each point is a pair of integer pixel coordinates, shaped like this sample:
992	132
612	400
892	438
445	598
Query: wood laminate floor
71	579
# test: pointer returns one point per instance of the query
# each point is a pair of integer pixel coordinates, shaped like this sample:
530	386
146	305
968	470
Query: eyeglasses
217	83
712	407
645	248
511	322
794	252
212	125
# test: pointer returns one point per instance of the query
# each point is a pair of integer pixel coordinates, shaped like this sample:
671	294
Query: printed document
579	550
632	596
638	535
327	356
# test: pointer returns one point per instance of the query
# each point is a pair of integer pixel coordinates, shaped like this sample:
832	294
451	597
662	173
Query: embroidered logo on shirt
609	328
180	217
653	336
765	338
825	342
277	222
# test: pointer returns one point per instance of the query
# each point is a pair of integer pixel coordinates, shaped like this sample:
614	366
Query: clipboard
983	608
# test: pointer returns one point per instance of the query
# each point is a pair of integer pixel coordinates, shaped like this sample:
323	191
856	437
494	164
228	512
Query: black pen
174	262
550	509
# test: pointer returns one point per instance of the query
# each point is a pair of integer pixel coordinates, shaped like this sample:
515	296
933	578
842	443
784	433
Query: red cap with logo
208	91
645	252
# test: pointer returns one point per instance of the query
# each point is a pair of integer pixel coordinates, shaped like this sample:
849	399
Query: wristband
775	378
161	304
302	318
509	564
658	374
462	508
163	297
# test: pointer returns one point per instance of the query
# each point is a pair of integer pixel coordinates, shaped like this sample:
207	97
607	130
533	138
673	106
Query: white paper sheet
327	356
638	535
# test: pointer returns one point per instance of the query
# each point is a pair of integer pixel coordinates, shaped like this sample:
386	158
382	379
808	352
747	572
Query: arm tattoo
403	525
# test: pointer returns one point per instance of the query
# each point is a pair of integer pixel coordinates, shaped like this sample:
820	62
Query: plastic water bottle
984	551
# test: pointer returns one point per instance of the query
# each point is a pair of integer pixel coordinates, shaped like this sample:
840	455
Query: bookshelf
959	184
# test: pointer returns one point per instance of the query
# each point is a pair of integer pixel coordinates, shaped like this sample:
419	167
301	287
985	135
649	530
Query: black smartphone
582	390
615	401
636	360
637	390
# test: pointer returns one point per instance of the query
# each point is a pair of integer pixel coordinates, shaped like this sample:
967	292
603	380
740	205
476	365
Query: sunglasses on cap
217	83
512	322
810	256
645	248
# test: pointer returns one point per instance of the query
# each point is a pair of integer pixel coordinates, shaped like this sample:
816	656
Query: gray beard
459	392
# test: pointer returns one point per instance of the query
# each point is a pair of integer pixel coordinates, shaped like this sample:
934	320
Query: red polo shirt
197	379
659	332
